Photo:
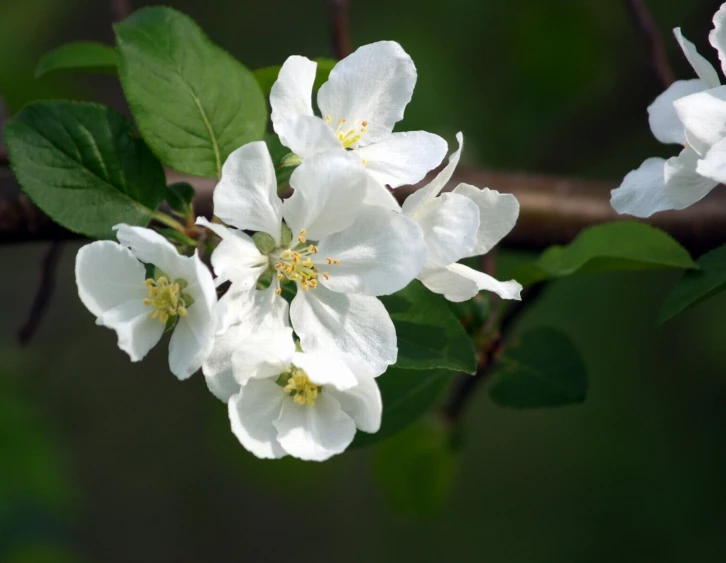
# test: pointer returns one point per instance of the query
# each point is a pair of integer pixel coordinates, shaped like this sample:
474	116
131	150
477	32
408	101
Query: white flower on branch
690	113
304	404
339	252
466	222
179	295
365	96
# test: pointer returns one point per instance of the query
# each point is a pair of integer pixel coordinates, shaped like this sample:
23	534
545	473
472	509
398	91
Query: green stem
168	221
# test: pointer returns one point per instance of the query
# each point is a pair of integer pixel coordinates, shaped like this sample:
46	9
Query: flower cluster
692	114
298	337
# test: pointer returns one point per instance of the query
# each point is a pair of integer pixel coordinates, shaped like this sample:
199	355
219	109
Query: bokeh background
103	460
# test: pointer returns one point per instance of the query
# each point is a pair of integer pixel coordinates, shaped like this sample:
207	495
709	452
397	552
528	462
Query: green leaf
407	394
267	76
416	468
697	286
83	166
622	245
85	56
429	335
545	370
193	102
278	152
179	196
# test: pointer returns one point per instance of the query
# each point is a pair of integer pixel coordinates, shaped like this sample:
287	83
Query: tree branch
654	41
121	9
339	27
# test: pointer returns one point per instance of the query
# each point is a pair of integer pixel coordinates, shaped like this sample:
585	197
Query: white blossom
113	285
466	222
365	96
305	404
339	252
690	113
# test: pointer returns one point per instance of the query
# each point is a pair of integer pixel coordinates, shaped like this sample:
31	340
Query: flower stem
168	221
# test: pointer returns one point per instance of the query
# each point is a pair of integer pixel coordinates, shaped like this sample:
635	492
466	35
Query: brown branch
340	27
43	294
653	40
121	9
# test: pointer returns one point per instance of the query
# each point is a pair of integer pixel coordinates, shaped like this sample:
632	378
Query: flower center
299	387
348	136
296	264
166	298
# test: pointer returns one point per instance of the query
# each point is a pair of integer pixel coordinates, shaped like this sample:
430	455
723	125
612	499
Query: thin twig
340	27
653	39
121	9
43	294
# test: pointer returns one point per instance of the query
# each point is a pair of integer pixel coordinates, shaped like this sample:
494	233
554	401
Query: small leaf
267	76
622	245
84	56
545	370
697	286
82	165
416	468
193	102
179	196
407	394
429	335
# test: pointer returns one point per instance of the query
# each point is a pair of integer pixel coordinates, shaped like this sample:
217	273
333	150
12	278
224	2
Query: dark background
103	460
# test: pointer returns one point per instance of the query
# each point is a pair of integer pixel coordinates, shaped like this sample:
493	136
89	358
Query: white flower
339	252
685	115
466	222
113	285
305	404
364	97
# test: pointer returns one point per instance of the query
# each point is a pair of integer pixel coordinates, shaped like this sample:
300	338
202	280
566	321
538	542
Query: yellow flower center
296	264
348	136
299	386
166	298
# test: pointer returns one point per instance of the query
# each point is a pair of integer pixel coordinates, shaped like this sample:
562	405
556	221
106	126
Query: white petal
662	116
684	185
355	327
717	37
403	158
449	224
263	354
373	84
308	135
328	191
704	116
110	284
362	403
252	413
149	247
642	191
246	312
380	253
314	432
713	165
498	213
325	369
236	257
459	283
246	196
433	188
292	92
380	196
704	69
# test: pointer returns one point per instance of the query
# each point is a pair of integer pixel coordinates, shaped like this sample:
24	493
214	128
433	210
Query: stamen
166	298
302	390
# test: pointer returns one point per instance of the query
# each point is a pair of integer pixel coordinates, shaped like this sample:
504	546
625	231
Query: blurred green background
104	460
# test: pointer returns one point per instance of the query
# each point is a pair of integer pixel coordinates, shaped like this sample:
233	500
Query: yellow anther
280	276
296	264
326	275
182	311
364	124
328	118
365	162
303	391
278	291
312	249
166	298
301	236
341	120
332	261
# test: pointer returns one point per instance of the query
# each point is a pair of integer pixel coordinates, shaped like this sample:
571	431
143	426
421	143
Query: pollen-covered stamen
166	298
296	264
299	386
348	136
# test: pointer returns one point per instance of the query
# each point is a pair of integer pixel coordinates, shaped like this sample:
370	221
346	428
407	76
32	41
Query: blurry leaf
193	102
429	335
697	286
267	76
86	56
416	468
179	196
621	245
545	370
407	394
42	554
81	164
